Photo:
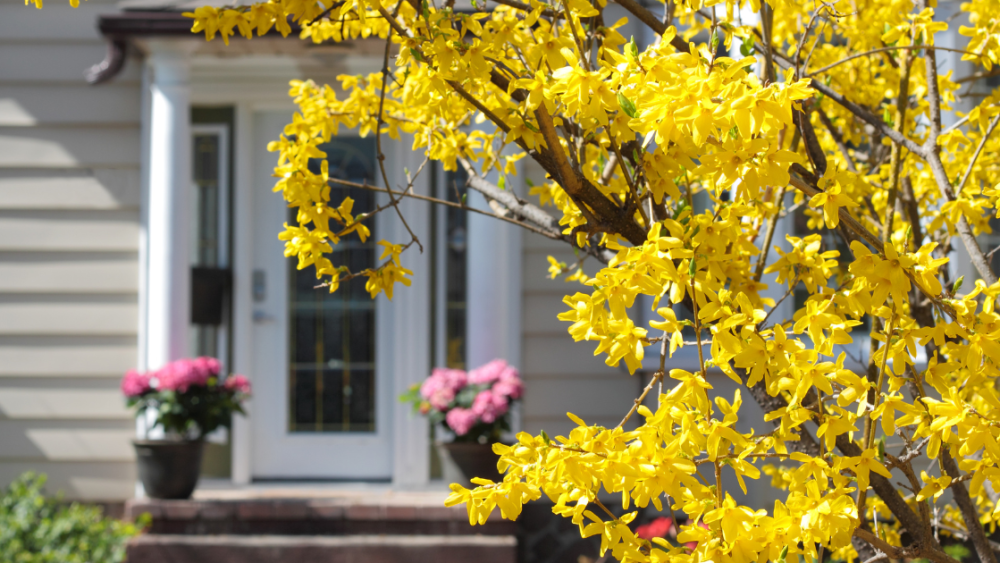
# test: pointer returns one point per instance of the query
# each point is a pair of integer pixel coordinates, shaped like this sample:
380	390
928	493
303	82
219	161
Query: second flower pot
461	461
169	469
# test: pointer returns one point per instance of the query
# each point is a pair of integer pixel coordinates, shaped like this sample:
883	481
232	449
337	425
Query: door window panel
332	364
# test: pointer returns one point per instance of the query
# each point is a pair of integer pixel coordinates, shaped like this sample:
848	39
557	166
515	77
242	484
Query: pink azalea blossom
135	383
441	398
454	379
460	420
488	406
487	374
440	388
238	383
207	367
510	384
180	375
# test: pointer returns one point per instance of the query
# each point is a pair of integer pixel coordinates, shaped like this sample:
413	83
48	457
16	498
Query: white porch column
168	265
493	299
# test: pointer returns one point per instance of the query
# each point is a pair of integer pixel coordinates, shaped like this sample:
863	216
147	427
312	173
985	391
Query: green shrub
37	529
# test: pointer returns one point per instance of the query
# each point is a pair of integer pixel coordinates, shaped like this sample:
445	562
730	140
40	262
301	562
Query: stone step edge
294	509
403	541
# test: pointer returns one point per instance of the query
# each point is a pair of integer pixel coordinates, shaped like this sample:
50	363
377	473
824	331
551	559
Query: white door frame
402	326
402	353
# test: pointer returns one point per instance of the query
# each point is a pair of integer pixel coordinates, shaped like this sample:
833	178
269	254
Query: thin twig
656	377
979	150
882	50
381	122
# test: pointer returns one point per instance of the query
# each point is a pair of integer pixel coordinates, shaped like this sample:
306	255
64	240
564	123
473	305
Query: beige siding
69	147
25	105
58	20
68	314
69	241
69	272
55	61
69	230
66	402
561	375
66	356
91	188
52	440
84	480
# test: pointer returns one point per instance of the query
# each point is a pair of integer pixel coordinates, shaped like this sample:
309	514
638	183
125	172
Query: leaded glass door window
323	401
331	379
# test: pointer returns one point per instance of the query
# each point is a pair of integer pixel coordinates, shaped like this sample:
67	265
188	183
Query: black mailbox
209	290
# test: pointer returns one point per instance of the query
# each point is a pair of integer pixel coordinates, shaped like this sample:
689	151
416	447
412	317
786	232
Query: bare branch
883	50
381	121
970	514
979	150
654	23
932	154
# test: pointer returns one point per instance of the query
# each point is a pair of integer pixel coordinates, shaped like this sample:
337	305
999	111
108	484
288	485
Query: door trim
402	325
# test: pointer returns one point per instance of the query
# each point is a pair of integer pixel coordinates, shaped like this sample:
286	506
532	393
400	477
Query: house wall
69	236
561	375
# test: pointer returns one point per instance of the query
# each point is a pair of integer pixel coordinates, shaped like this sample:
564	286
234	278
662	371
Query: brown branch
838	139
601	212
766	24
526	8
658	376
381	121
882	50
962	535
772	225
896	157
525	211
968	509
979	150
932	154
882	545
651	21
867	117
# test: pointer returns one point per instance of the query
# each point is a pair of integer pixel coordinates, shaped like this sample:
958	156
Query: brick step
336	516
158	548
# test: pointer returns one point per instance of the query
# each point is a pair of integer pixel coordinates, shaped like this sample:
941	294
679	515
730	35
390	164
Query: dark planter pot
460	462
168	469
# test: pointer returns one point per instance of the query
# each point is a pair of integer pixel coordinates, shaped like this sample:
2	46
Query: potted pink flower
475	408
188	399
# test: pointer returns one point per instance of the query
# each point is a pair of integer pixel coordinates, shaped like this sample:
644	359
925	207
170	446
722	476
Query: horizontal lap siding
69	247
561	375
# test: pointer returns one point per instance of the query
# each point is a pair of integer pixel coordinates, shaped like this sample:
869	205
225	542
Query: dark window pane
333	401
303	398
456	243
361	399
304	338
455	336
359	342
206	180
334	336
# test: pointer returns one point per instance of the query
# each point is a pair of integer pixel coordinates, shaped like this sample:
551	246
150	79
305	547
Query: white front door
322	406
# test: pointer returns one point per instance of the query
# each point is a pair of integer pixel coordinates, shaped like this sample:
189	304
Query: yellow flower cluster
671	162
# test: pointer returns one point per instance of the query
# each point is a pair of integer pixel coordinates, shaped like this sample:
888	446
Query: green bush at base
37	529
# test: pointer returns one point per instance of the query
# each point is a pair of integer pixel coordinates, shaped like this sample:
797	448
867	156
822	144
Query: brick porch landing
302	524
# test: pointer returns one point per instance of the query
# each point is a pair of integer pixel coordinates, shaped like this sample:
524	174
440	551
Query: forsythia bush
762	110
36	529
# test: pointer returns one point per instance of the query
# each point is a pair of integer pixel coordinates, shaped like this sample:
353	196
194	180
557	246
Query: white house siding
561	375
69	235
